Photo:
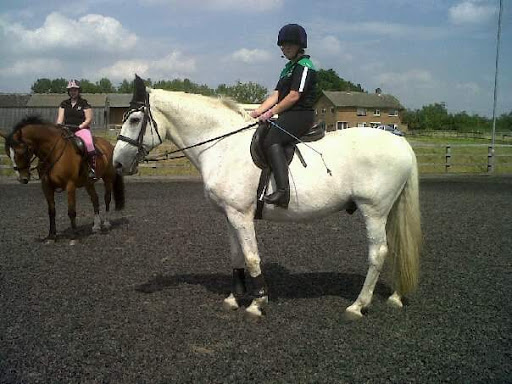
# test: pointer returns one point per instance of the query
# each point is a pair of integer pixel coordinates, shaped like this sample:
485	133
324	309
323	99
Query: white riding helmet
73	84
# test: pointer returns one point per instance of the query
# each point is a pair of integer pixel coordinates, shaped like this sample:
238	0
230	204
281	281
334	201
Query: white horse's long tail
404	234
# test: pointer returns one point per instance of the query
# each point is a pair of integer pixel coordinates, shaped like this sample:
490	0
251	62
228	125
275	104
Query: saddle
77	142
316	132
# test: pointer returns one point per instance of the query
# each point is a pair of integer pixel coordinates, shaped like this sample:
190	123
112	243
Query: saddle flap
316	132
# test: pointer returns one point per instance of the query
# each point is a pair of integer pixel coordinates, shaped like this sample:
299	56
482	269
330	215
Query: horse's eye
134	120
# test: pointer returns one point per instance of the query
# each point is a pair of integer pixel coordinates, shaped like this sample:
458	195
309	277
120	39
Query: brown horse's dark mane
29	120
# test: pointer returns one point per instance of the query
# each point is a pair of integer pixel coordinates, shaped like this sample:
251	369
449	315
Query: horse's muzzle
124	171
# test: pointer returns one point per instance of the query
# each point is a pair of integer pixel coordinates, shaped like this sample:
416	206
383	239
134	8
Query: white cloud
250	55
174	65
223	5
95	33
32	67
379	29
468	88
414	78
331	46
471	12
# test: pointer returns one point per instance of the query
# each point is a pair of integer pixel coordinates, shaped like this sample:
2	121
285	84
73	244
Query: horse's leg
378	250
49	194
108	197
96	206
71	190
243	226
238	287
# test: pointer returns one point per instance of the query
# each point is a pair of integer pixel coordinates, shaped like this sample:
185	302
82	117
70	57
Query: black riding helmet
294	34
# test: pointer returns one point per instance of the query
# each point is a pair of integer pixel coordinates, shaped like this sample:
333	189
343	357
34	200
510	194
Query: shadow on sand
281	282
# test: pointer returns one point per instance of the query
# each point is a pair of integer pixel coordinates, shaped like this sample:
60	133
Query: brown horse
61	167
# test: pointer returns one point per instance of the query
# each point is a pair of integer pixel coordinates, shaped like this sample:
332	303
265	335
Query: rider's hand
254	114
267	115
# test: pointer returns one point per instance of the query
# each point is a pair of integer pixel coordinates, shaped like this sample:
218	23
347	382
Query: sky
421	51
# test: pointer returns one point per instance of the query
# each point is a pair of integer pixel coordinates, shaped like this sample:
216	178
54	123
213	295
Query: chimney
378	91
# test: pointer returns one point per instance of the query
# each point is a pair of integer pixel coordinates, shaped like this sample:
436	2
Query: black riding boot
281	197
91	161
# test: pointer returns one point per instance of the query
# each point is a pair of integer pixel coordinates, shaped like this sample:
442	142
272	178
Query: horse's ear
139	90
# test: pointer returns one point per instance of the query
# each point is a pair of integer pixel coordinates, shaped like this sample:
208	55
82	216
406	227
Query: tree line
247	93
436	117
430	117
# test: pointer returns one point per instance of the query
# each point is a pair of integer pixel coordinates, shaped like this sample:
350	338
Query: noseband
28	157
148	117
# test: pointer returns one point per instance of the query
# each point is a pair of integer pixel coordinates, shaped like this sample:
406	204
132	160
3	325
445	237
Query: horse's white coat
369	166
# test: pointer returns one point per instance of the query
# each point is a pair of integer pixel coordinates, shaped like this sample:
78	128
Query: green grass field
466	156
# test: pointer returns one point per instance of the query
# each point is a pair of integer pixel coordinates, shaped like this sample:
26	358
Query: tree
104	85
88	87
247	93
59	85
504	122
328	80
43	85
125	86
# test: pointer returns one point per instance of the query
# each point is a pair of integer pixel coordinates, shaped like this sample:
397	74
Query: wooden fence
432	158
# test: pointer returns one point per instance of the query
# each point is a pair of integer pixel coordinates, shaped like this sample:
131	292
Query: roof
119	100
362	99
14	99
54	99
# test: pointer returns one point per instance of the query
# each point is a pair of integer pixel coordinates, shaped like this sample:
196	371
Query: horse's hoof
253	313
107	226
256	311
49	241
73	242
96	229
395	301
230	303
352	315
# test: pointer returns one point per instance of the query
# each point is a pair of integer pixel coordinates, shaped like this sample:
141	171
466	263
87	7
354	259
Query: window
393	112
332	110
375	124
361	125
323	110
376	112
341	125
361	111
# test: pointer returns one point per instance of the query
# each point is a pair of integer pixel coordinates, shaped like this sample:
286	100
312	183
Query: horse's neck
43	140
190	124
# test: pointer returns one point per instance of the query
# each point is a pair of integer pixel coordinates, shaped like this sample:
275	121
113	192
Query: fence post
448	158
490	159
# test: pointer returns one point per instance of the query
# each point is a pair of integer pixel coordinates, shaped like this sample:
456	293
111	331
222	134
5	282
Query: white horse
372	168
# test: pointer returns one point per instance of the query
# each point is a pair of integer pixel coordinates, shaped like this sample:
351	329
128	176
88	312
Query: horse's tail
118	191
404	234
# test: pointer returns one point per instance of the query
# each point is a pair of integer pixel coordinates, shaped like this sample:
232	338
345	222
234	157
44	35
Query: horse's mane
33	119
29	120
220	101
232	104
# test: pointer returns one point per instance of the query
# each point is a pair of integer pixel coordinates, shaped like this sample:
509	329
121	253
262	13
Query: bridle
148	118
29	156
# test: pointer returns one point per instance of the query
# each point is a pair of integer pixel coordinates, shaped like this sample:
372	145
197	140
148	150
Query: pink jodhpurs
85	135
